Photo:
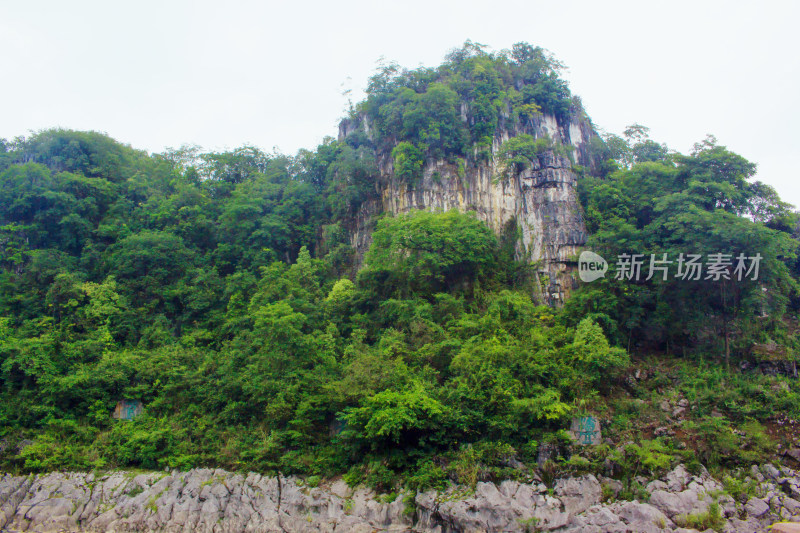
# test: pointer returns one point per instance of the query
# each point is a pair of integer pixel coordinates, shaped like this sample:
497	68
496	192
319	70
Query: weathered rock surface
785	527
218	501
578	494
681	494
541	201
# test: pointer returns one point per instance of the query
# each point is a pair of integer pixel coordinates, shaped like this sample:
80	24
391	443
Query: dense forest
220	289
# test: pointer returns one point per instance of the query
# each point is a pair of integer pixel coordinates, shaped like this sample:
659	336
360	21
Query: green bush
427	475
408	162
374	475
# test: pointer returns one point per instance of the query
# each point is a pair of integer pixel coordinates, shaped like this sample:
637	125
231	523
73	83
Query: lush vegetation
188	281
221	291
453	111
651	201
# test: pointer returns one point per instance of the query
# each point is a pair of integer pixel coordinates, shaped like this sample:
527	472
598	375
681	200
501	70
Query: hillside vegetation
219	289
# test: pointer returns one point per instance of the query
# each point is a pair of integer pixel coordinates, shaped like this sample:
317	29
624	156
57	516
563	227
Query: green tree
408	162
424	252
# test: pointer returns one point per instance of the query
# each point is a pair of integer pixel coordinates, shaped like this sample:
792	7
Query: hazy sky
271	74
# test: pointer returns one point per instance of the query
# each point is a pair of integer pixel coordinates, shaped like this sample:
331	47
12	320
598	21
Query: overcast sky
271	74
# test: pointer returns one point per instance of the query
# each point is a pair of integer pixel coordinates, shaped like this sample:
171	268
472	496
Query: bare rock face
541	201
217	501
197	501
578	494
621	517
510	507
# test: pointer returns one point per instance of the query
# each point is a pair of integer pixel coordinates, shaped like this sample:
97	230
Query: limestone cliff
541	200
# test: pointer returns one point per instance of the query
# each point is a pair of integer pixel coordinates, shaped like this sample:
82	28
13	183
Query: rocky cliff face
209	501
540	202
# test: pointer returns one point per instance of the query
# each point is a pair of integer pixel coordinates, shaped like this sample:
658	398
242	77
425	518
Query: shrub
427	475
711	519
408	161
375	475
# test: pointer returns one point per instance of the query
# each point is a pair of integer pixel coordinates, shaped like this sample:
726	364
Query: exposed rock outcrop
218	501
540	201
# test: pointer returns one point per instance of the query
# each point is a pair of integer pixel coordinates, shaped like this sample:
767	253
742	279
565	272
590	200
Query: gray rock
728	506
611	484
546	452
656	485
791	505
595	520
678	478
621	518
771	472
792	488
200	500
756	474
681	503
340	489
215	501
578	494
751	525
756	507
664	431
642	513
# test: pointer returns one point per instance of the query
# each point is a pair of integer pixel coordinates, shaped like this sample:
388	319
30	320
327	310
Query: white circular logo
591	266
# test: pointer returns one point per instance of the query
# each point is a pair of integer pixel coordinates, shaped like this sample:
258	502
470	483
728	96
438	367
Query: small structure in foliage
128	409
586	430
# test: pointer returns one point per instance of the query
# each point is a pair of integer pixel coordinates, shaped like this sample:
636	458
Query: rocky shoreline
204	500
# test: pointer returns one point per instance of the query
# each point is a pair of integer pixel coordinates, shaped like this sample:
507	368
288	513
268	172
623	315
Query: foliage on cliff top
454	110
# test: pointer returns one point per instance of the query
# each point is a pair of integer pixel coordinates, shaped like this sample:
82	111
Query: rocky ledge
218	501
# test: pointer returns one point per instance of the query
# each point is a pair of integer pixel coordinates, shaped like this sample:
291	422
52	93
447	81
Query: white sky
222	74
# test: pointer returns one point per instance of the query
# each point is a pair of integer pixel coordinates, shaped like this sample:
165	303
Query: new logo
591	266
